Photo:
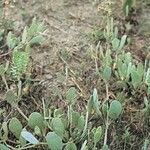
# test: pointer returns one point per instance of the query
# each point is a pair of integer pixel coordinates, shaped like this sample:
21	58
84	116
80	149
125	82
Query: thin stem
31	146
106	130
19	87
125	145
107	92
96	57
66	70
10	146
5	82
44	111
20	111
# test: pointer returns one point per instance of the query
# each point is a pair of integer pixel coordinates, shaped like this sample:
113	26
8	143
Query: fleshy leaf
15	127
115	109
36	119
54	141
29	137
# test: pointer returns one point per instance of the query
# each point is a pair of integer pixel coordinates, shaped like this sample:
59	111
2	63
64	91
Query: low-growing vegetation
113	112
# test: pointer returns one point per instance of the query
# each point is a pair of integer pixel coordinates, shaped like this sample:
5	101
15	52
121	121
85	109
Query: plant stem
67	74
106	129
31	146
20	111
19	87
4	80
107	92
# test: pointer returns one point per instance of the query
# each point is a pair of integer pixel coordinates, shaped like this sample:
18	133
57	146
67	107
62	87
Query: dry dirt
61	61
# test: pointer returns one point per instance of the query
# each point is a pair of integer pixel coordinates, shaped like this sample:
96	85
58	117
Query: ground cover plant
91	92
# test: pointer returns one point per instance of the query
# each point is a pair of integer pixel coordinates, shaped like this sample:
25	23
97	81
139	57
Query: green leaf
123	71
37	39
127	3
140	70
75	118
3	147
58	126
129	70
11	40
115	109
106	73
20	60
115	43
36	119
95	101
11	98
24	35
105	147
97	134
90	105
122	42
128	57
136	79
95	95
35	28
29	137
15	127
37	131
81	123
54	141
70	146
148	90
71	95
107	59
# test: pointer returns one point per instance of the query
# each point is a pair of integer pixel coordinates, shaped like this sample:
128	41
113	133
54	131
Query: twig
5	54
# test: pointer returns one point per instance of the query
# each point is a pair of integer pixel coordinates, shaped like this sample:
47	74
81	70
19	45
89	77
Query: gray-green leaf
97	134
115	109
122	42
24	35
81	123
3	147
70	146
115	43
11	98
106	73
54	141
71	95
37	39
36	119
15	127
58	126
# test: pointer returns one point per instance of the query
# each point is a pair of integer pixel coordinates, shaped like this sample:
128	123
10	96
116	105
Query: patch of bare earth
59	62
